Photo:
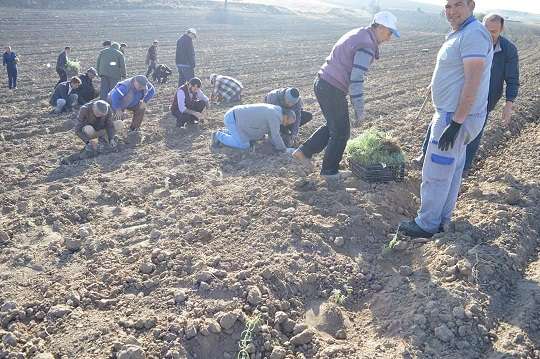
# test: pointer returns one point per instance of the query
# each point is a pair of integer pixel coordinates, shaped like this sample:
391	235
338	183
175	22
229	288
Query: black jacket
87	92
185	53
61	91
61	61
505	69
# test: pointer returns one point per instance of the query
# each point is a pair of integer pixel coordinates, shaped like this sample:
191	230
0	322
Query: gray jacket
256	120
277	97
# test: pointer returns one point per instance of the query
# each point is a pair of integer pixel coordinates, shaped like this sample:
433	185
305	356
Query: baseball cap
192	31
388	20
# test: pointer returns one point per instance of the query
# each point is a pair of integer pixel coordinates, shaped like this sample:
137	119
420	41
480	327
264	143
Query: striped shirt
227	88
362	59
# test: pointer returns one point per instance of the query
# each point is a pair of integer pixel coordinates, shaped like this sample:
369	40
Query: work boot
418	162
215	144
413	230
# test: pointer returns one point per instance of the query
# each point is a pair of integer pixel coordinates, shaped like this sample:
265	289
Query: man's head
195	84
457	11
289	117
106	43
192	33
8	48
67	49
75	82
123	45
140	82
91	72
100	108
292	96
384	25
495	25
155	43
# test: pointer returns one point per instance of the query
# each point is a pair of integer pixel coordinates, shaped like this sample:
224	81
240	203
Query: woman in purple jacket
343	73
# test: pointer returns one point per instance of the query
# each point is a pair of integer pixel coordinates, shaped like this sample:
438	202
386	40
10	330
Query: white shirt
182	98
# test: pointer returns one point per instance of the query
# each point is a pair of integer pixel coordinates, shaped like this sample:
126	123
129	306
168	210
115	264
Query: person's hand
449	135
142	104
507	113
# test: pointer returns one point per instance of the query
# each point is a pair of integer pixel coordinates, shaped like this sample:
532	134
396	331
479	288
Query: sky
532	6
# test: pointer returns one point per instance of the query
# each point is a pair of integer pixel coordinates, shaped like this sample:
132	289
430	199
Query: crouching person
65	95
189	103
96	123
131	94
225	89
289	99
161	74
246	123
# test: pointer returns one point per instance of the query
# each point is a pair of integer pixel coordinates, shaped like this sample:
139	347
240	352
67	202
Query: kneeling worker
65	95
189	103
95	122
245	123
289	98
132	94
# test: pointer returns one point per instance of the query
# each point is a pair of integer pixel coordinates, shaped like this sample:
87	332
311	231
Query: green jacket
110	63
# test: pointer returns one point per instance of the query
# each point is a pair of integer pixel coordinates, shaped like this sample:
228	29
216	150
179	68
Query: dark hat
92	71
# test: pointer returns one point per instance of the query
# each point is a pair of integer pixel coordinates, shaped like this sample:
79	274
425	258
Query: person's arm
116	98
97	64
192	55
512	83
147	60
362	60
275	134
111	130
122	64
150	93
298	112
82	121
203	97
4	62
181	96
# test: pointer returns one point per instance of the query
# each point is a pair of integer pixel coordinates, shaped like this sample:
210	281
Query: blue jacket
185	53
9	60
505	68
118	95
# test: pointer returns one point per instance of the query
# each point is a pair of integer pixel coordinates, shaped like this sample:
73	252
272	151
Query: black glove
449	136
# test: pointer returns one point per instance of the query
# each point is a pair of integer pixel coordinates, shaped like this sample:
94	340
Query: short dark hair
107	43
75	80
123	45
374	25
494	17
67	48
195	82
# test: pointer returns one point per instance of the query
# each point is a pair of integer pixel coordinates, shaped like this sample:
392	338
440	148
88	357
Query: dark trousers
185	74
183	118
151	68
138	115
334	134
12	77
472	147
106	85
62	74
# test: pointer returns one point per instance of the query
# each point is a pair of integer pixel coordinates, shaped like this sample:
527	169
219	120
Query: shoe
300	157
333	181
419	161
215	142
413	230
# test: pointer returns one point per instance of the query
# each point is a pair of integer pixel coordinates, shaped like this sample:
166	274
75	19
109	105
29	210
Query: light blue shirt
471	40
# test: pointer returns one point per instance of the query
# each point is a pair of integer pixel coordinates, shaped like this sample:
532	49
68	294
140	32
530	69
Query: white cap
192	31
388	20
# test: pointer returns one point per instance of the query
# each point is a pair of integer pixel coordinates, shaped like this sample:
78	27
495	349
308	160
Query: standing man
61	63
504	69
189	103
10	60
87	91
289	98
185	56
152	58
459	87
343	73
246	123
123	47
111	68
132	94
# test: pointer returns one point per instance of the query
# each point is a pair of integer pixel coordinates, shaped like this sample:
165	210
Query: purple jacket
338	66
